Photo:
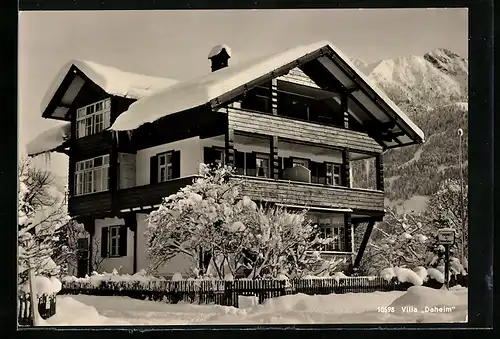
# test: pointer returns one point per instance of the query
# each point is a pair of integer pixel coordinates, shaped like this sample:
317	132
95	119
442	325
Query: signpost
446	237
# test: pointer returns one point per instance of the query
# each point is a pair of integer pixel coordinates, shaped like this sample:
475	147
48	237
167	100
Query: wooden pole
33	298
447	266
462	207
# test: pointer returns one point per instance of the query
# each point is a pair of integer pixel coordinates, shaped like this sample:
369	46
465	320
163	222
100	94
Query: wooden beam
363	244
274	158
229	147
379	169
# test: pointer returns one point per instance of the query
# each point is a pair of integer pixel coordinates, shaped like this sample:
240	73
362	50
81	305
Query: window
93	118
114	241
262	166
165	168
331	228
92	175
219	157
333	174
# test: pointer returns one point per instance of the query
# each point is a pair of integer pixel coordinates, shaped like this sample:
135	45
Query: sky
175	44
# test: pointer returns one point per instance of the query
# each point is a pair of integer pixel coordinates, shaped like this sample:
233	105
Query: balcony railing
291	129
308	194
258	189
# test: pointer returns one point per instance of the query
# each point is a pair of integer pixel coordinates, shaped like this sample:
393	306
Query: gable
72	77
320	62
297	76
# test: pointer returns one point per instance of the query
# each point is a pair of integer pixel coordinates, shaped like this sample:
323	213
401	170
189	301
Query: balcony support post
343	103
274	170
379	167
229	147
347	232
345	175
274	96
363	244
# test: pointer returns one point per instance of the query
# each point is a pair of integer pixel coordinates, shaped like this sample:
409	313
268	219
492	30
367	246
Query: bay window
93	118
92	175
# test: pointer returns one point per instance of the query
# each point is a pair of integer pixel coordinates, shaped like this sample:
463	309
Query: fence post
228	293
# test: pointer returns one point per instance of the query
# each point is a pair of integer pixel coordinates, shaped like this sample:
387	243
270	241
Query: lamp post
462	207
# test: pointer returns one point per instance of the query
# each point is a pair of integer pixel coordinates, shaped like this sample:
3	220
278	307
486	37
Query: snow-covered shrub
233	233
177	277
399	240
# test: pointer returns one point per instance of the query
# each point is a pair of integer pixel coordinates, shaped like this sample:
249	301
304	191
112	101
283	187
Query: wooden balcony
258	189
312	195
291	129
90	204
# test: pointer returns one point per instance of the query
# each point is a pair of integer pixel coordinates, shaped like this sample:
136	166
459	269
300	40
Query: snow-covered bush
41	212
230	230
400	240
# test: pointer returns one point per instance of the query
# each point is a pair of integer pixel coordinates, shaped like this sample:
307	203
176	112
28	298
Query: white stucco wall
181	263
190	158
122	264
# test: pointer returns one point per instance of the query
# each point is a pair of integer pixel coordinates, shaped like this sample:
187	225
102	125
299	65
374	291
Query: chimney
219	56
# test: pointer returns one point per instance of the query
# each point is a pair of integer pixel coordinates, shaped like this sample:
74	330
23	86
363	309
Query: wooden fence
46	308
226	292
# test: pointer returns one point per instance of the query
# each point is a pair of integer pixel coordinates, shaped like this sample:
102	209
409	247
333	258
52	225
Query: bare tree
41	212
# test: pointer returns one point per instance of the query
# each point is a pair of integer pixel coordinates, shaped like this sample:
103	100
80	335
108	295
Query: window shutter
288	163
251	163
280	167
313	166
239	162
208	156
153	170
122	247
322	173
176	164
104	242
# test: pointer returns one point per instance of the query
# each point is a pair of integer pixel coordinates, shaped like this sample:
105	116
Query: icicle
47	157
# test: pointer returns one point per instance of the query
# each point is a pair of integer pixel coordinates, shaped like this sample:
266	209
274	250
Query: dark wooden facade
313	195
314	133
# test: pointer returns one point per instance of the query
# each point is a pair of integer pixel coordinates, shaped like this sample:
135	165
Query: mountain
433	91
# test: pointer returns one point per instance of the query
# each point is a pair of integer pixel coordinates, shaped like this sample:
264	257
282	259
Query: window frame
333	176
262	156
336	229
85	175
222	160
92	112
167	166
115	237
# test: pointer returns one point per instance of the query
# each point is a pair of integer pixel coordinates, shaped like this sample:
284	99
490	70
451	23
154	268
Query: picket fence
226	292
46	308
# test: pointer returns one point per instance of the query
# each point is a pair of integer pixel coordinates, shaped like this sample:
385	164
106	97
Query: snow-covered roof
49	140
217	49
200	91
112	80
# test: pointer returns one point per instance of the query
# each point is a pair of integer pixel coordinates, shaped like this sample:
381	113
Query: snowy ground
412	306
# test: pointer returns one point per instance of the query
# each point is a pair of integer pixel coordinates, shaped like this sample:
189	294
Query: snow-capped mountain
433	90
436	78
